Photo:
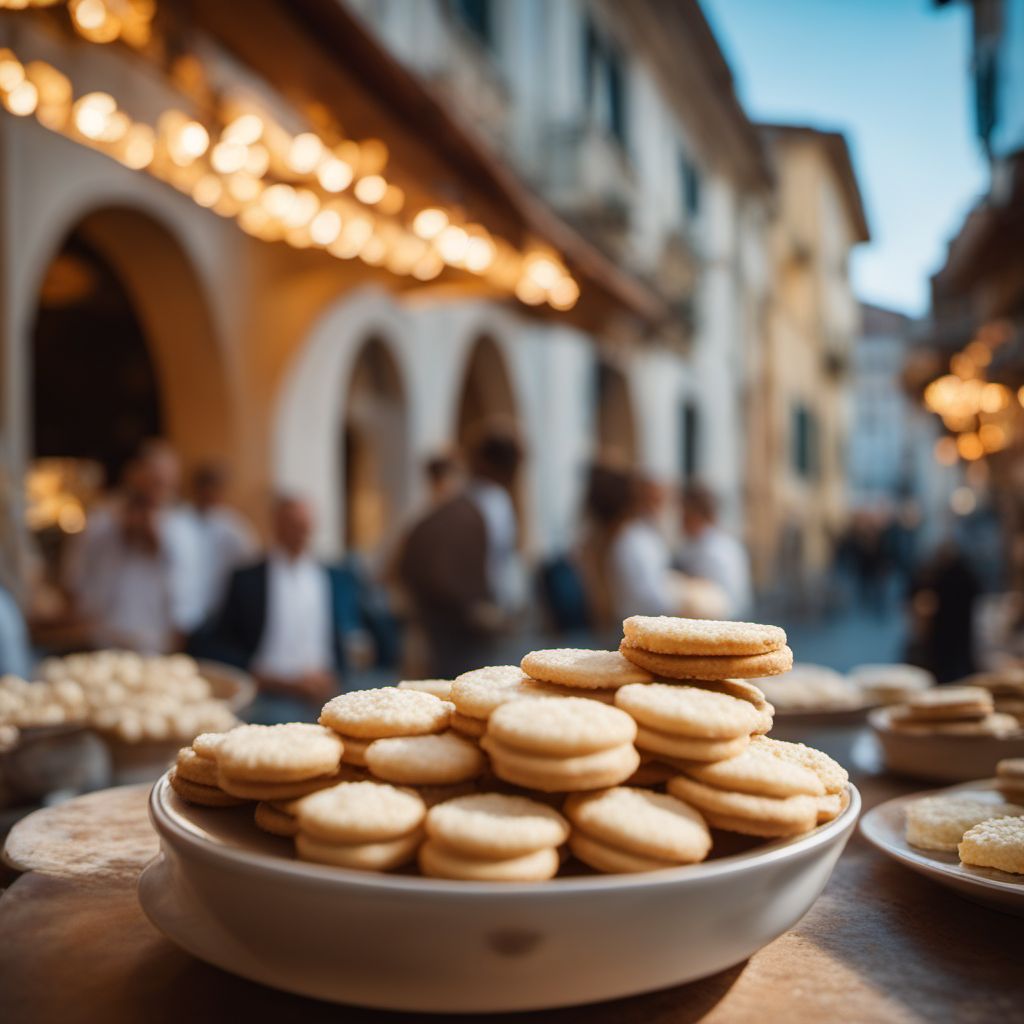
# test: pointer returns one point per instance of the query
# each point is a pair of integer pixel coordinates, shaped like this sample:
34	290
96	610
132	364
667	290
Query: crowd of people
166	564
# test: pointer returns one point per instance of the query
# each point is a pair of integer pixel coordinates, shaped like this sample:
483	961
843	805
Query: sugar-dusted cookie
276	818
665	634
360	812
201	770
766	816
378	856
562	774
562	727
742	690
440	688
437	861
278	753
939	822
702	666
206	744
495	826
204	796
598	670
688	711
996	843
655	826
833	775
682	748
438	759
757	771
386	711
478	693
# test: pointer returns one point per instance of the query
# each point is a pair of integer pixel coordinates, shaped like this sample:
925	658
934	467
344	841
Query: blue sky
891	74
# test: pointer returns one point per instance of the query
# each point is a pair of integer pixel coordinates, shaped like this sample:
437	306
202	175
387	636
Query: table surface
881	944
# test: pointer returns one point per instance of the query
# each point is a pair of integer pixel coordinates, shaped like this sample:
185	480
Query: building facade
799	435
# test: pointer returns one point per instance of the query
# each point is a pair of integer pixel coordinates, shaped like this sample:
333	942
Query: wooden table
881	944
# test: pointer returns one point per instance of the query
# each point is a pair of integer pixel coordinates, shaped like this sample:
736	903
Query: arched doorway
615	439
487	396
374	449
95	391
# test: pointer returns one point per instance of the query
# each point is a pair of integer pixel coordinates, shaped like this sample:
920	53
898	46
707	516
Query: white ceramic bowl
937	757
235	898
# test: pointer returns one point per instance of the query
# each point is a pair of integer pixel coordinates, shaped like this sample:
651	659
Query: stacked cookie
890	684
771	789
368	826
628	830
257	762
362	716
704	649
1010	778
477	694
561	745
493	837
573	672
953	711
1007	688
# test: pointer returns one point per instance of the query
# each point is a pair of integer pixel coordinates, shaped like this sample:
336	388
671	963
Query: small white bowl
236	898
941	757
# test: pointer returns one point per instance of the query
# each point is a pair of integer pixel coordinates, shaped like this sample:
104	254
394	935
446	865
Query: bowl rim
168	826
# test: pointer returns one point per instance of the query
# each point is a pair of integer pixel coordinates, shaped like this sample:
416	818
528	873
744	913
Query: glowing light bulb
529	292
208	190
564	294
91	113
479	254
371	190
544	272
139	147
452	244
278	200
429	223
22	99
257	160
333	174
227	157
245	130
325	227
305	153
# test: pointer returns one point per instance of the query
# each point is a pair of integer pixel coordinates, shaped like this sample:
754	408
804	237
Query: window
690	427
805	442
477	17
604	76
690	182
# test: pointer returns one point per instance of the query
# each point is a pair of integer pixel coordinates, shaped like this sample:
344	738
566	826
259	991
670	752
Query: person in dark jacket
284	619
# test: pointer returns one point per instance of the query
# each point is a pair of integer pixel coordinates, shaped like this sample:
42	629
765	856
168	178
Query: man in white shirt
284	620
223	538
712	554
130	572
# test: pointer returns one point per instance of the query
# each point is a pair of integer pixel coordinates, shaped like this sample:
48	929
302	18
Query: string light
254	171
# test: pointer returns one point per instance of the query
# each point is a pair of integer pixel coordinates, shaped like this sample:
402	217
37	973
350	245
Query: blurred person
224	540
625	562
442	570
943	595
15	655
443	475
494	460
130	572
710	553
284	619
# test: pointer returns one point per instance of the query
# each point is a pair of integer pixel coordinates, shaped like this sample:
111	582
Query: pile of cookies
810	688
985	829
951	711
574	757
121	694
890	684
1007	688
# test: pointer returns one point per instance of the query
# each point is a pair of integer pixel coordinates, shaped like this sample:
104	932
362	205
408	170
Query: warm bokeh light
334	175
371	190
993	398
305	153
22	99
963	501
564	294
992	436
429	223
325	227
970	447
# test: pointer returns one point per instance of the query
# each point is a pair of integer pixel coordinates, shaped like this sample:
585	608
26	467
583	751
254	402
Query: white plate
884	826
236	898
938	757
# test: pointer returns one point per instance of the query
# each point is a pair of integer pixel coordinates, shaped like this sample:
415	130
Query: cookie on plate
561	745
583	669
706	666
995	843
664	634
628	829
386	711
434	760
277	818
492	837
202	796
939	822
367	826
278	753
